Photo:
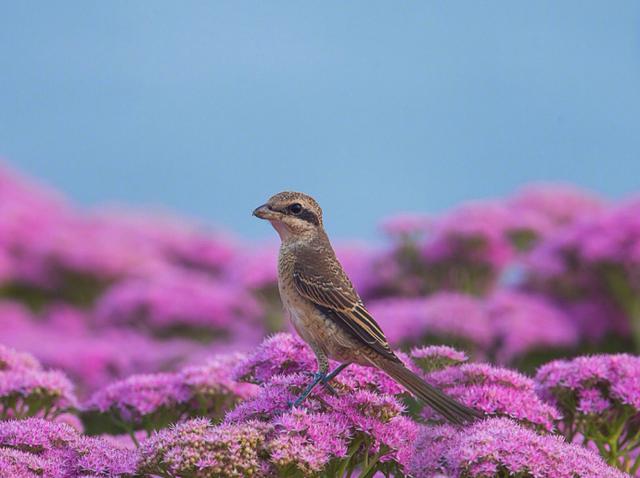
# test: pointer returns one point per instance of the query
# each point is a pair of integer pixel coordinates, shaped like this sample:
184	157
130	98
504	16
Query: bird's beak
264	212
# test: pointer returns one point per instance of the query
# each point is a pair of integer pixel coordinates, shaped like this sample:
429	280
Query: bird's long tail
446	406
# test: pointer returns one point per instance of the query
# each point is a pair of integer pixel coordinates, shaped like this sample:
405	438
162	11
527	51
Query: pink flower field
138	345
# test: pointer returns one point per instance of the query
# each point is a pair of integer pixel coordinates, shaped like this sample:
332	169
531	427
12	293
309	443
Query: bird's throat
282	230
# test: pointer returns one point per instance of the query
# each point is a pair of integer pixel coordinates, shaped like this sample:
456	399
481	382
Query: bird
326	310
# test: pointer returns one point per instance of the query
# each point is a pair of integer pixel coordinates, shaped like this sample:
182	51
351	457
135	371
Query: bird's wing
325	284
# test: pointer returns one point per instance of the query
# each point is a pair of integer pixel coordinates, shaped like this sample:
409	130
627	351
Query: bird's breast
301	312
317	329
314	327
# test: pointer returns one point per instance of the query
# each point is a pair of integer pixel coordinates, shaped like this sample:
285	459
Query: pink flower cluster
505	326
40	448
361	424
366	416
499	447
154	400
28	390
469	248
496	391
592	268
613	378
599	398
175	301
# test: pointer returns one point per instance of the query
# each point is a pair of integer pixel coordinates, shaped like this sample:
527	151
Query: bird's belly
321	332
306	330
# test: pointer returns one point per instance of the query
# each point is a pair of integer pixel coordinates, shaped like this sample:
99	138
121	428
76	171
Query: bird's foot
327	378
329	388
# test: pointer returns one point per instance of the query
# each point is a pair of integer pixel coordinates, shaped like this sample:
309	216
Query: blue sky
207	108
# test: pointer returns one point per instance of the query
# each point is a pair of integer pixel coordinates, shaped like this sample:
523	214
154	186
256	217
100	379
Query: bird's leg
323	368
335	372
327	378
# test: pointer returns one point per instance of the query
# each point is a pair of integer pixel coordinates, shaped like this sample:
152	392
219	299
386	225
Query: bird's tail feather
446	406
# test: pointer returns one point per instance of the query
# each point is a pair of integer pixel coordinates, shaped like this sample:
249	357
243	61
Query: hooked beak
264	212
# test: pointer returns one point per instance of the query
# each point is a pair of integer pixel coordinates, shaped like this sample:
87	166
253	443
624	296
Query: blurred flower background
478	170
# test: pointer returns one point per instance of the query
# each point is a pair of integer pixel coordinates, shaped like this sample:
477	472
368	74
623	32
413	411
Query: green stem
627	299
353	449
371	466
132	434
634	317
634	468
129	429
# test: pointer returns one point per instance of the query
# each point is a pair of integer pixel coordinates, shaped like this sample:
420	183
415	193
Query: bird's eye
295	208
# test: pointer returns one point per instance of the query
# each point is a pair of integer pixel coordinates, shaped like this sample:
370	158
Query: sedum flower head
140	401
52	449
436	357
215	377
196	448
450	315
32	391
306	441
152	401
279	354
592	381
359	413
501	447
177	301
20	464
495	391
12	360
547	207
100	457
525	322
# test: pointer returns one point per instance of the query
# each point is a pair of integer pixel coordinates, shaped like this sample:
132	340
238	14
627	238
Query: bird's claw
328	387
318	377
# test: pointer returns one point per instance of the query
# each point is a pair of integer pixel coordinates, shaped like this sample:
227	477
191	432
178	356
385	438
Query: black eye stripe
305	215
308	216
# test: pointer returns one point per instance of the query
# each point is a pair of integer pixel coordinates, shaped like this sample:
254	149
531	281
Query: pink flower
26	389
52	388
21	464
62	338
501	446
140	395
436	357
475	231
56	450
177	299
198	449
307	441
495	391
616	376
526	322
592	401
279	354
445	315
556	203
150	401
12	360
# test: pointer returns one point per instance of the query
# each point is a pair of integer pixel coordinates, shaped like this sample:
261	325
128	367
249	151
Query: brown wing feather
326	285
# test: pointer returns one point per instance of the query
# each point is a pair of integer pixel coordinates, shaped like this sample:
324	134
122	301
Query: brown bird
326	310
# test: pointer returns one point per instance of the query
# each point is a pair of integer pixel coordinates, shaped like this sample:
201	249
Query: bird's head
291	214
